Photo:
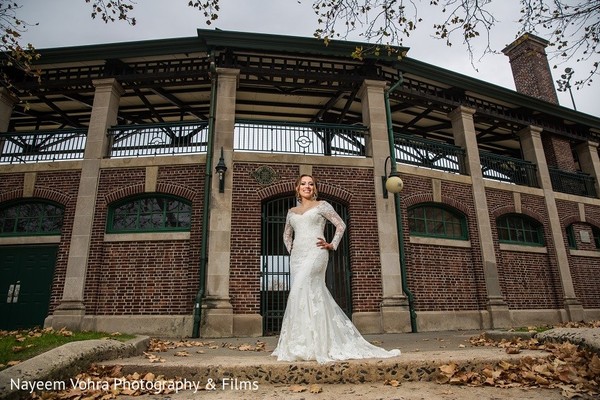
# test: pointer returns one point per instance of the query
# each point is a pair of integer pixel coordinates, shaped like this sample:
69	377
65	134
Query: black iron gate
275	271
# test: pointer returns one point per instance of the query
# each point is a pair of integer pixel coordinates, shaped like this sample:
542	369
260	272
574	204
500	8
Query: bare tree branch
573	30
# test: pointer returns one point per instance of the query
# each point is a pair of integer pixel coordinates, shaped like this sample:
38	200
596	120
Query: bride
314	327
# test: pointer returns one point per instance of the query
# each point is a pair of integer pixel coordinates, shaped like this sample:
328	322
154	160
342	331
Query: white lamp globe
394	184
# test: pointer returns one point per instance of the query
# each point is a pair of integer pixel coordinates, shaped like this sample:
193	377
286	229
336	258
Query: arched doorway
27	270
275	272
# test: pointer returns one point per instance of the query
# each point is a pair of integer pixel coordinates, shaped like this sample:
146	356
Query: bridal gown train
314	327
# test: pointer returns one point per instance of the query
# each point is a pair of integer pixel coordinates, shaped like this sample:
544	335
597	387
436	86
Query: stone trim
523	248
146	236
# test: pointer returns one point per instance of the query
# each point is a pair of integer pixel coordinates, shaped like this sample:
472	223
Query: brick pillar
463	128
395	316
558	152
71	311
218	319
532	147
530	68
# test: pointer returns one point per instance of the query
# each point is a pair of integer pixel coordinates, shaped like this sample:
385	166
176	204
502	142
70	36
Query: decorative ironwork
299	138
508	169
577	183
265	175
430	154
159	139
56	145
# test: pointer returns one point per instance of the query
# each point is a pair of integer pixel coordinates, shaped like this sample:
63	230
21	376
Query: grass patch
16	346
536	329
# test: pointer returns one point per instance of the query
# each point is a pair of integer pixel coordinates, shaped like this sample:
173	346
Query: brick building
144	187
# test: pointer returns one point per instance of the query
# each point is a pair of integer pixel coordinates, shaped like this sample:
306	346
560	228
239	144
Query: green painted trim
111	214
526	222
37	232
218	39
108	51
462	219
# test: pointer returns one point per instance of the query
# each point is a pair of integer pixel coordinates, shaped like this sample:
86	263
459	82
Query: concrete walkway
241	360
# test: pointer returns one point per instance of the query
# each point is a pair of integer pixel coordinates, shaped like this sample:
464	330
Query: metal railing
158	139
429	153
577	183
300	138
32	147
508	169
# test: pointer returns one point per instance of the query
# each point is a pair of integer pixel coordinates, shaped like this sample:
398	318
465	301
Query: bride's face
306	188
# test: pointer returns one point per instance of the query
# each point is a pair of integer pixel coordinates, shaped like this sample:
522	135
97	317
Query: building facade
144	188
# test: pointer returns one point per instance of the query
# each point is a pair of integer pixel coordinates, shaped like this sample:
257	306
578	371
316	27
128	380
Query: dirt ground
367	391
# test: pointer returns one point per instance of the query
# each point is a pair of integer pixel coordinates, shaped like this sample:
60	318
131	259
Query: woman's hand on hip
324	245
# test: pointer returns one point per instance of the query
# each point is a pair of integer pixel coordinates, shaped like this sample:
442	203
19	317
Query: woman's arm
288	233
329	213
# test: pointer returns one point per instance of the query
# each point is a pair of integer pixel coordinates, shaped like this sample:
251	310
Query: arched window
149	213
435	220
519	229
35	217
596	233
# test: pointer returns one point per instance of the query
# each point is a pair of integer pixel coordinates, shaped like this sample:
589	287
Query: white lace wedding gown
314	327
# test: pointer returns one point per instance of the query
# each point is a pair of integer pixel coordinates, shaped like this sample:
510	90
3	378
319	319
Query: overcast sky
68	23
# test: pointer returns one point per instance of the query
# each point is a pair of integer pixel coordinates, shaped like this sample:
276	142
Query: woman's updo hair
299	180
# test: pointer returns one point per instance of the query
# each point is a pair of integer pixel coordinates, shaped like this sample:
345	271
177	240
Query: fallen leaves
157	345
574	370
392	382
104	383
314	388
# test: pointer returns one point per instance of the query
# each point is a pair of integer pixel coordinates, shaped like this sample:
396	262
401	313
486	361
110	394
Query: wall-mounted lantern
221	168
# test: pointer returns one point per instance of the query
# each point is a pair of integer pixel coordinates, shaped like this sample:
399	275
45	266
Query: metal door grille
275	271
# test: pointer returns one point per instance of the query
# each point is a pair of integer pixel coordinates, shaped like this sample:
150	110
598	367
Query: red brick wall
527	279
585	271
558	152
11	186
443	278
145	277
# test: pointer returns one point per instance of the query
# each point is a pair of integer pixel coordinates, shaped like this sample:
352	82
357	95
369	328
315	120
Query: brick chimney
531	72
530	67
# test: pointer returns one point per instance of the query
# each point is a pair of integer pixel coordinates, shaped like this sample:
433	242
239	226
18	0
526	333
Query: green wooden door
25	282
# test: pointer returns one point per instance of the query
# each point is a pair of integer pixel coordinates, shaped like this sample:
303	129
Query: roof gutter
206	203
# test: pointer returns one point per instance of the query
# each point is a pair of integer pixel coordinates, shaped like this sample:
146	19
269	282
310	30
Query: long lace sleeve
288	233
328	212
